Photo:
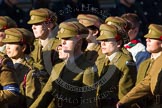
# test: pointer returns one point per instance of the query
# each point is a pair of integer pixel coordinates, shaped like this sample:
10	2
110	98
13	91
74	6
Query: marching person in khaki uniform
70	82
5	23
151	84
9	89
43	25
19	43
116	70
92	22
140	55
121	25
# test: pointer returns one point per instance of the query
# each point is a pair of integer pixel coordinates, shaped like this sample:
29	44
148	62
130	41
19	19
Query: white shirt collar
112	56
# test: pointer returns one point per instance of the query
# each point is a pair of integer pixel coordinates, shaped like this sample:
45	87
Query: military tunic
118	77
150	85
68	84
143	69
46	56
9	89
29	81
142	72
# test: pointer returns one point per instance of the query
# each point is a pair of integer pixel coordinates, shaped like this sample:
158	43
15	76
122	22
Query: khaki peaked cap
18	35
107	32
121	26
72	29
116	21
42	15
6	22
155	31
89	20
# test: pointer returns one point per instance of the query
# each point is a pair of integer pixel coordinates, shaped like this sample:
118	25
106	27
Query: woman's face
68	45
109	46
153	45
62	54
15	51
40	30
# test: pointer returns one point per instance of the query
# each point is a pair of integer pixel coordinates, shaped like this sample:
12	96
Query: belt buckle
60	103
157	99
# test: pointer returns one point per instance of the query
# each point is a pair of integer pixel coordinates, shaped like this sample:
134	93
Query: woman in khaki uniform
152	83
19	43
120	24
116	70
71	80
44	23
5	23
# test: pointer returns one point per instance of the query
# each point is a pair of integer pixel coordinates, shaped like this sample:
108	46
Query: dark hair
84	44
94	28
132	19
29	48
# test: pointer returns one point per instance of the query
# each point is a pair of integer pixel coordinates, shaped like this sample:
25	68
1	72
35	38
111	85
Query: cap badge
109	23
62	30
32	17
6	36
149	31
102	32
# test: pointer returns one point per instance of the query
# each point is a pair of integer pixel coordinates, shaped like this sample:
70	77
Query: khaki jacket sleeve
90	77
45	96
9	88
140	90
127	80
33	87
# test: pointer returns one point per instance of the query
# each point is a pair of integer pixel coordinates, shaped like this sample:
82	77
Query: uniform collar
17	62
44	42
112	56
157	55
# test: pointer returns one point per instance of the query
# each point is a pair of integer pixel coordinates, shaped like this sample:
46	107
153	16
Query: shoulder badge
94	68
130	63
